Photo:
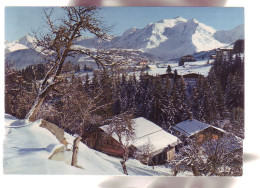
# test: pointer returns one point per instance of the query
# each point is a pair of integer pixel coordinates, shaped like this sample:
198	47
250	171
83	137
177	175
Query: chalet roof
172	75
224	49
191	75
148	132
152	66
189	128
169	75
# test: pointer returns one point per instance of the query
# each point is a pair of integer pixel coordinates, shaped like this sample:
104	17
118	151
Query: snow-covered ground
199	67
27	148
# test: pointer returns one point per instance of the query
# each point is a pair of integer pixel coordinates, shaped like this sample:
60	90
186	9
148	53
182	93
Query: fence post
75	151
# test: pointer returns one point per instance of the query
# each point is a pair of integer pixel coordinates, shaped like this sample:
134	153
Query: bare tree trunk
31	115
75	151
194	170
124	166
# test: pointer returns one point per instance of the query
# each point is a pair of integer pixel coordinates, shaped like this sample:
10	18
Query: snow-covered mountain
166	39
24	57
13	46
170	38
27	41
230	36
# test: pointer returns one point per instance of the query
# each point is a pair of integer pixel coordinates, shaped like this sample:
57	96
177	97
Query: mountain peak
130	31
179	18
173	20
28	41
195	20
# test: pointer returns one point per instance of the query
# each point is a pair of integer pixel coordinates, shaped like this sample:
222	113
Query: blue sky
22	20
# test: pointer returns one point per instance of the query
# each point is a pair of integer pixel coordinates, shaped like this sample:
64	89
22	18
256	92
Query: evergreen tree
239	46
169	69
87	84
183	108
85	68
234	92
197	97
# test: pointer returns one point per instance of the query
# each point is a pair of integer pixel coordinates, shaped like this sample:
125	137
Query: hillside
27	148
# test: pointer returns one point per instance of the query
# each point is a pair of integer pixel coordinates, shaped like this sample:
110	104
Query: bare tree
122	126
57	45
73	108
214	157
145	153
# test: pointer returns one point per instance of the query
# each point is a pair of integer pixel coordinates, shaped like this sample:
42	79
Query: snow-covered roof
190	127
147	132
152	66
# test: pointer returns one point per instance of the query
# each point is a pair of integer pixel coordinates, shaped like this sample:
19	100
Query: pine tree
87	84
184	108
197	97
239	46
169	69
234	92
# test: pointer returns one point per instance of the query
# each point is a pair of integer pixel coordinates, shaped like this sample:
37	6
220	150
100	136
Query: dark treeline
80	104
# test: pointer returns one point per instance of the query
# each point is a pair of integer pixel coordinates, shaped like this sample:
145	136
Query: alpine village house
146	133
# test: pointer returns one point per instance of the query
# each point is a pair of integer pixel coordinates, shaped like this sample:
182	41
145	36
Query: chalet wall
208	134
95	140
110	146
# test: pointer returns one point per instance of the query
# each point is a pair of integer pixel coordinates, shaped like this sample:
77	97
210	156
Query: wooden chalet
196	129
95	140
146	133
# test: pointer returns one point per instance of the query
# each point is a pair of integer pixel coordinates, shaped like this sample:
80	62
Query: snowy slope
24	57
230	36
13	46
27	147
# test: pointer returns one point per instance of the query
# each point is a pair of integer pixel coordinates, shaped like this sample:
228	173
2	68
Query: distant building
151	67
143	63
212	56
162	143
190	79
223	52
188	58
